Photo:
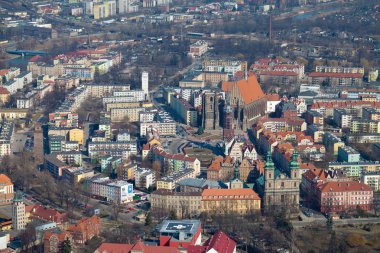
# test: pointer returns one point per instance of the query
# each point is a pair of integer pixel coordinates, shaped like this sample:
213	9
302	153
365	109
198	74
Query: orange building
85	229
247	99
6	190
54	239
241	201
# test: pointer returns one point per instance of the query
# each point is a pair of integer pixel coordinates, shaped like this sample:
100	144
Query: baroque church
280	190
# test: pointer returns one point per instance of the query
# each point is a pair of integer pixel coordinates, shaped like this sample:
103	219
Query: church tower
294	167
18	212
269	180
210	111
236	182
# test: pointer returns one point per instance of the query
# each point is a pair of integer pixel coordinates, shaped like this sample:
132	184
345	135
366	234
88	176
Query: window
282	184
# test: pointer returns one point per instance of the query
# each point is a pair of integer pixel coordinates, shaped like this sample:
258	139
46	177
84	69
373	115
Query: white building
139	95
18	213
144	178
372	179
198	49
6	138
26	101
118	191
145	82
342	118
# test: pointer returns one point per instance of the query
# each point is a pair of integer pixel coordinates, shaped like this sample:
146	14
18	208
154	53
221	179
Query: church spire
294	164
269	165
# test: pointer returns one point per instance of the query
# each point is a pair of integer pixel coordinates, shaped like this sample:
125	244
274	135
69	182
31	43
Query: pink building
343	196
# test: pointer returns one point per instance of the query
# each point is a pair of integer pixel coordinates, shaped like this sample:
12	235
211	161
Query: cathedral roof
249	89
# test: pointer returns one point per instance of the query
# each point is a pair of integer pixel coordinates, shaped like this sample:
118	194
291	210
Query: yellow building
13	113
241	201
76	134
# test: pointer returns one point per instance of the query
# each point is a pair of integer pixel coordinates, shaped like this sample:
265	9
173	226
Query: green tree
66	246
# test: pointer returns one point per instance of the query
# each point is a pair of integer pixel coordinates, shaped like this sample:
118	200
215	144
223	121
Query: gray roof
174	228
200	183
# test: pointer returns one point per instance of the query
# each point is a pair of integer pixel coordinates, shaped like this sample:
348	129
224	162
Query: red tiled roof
344	104
35	58
337	75
219	242
277	73
4	179
3	72
237	193
272	97
126	248
44	213
241	74
249	89
344	186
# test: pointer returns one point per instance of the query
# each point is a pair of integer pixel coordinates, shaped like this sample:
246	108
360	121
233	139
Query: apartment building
6	138
113	99
74	175
371	113
175	162
365	126
332	142
144	178
104	90
343	196
139	95
372	179
228	65
336	79
342	118
117	191
355	169
169	182
18	82
132	114
113	148
182	203
348	154
184	110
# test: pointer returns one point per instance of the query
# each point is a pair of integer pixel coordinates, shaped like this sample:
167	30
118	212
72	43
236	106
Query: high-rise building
18	213
38	144
210	111
123	6
145	82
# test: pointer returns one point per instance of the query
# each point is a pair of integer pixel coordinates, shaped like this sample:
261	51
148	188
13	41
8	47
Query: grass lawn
354	238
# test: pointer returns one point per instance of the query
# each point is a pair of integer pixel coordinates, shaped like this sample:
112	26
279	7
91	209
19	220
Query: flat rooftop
176	226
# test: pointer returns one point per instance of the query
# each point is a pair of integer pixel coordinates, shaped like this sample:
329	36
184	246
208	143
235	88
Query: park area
345	238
